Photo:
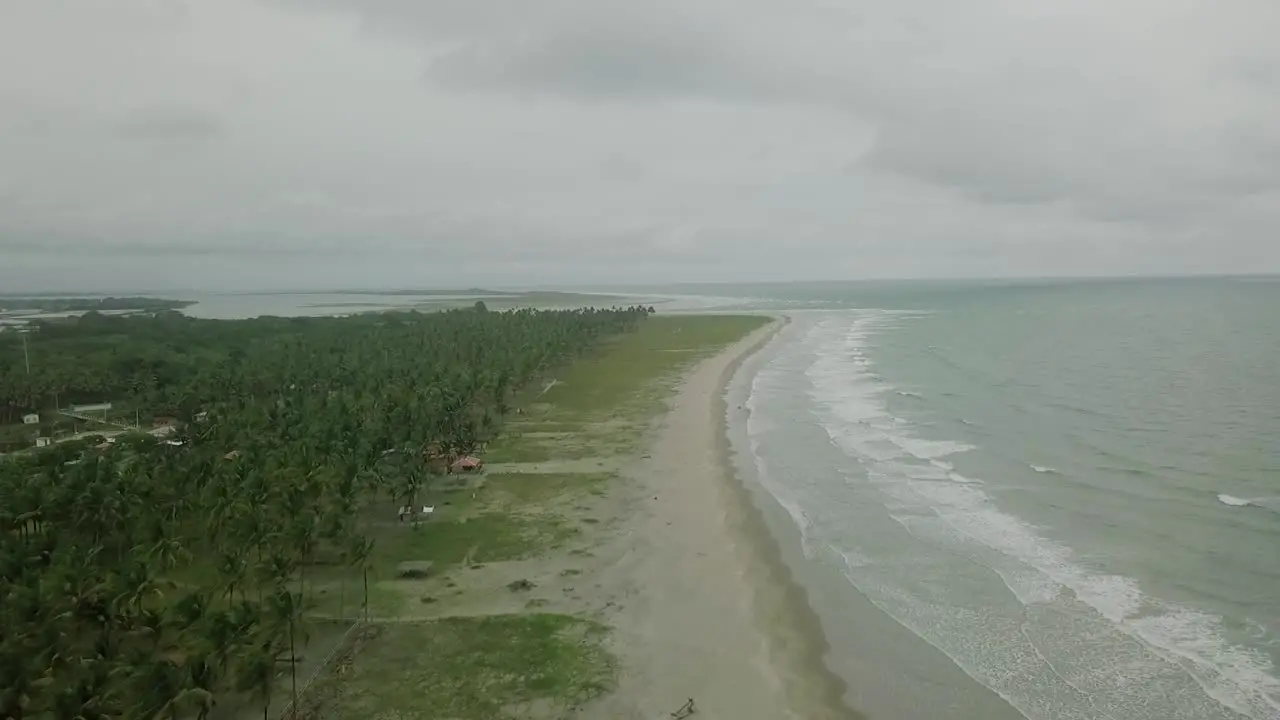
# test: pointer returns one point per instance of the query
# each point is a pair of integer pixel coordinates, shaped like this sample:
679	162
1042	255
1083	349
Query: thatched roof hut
468	463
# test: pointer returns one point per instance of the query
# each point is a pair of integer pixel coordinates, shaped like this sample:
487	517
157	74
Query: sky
283	144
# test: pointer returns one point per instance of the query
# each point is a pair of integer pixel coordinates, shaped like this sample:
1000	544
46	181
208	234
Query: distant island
81	304
426	293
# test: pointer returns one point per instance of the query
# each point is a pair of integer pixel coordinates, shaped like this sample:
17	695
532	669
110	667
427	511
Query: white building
43	442
32	419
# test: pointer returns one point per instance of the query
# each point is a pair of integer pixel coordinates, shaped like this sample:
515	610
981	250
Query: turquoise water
1069	492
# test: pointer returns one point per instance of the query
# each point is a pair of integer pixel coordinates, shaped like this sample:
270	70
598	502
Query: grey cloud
64	246
1020	132
984	171
594	49
1263	72
636	63
718	140
168	124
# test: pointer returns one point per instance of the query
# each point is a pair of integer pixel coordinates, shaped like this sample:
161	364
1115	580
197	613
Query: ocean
1052	501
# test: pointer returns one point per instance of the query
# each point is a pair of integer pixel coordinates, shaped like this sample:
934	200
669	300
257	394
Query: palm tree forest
156	575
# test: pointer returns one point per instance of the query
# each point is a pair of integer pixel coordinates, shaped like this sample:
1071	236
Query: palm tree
285	611
288	427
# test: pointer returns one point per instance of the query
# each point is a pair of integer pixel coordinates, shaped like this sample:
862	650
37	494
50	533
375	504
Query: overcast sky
237	144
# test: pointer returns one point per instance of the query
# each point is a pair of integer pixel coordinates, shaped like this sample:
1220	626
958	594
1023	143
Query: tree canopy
150	577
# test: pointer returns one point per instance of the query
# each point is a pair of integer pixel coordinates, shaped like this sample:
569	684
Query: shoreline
709	610
798	644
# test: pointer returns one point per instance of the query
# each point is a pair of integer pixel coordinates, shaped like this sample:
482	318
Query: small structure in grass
467	464
410	513
414	569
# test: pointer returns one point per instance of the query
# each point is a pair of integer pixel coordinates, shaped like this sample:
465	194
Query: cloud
754	139
169	124
615	59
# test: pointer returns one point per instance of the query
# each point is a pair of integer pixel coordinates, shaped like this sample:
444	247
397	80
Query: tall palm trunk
293	670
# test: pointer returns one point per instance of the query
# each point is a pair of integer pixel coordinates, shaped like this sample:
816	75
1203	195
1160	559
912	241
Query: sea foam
906	468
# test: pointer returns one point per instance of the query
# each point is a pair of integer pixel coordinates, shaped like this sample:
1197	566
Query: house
43	442
31	419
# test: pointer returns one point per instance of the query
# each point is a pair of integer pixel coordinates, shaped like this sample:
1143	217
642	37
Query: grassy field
465	668
634	367
541	503
602	404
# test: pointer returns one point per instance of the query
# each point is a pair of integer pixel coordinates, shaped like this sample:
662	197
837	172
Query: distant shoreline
24	305
17	309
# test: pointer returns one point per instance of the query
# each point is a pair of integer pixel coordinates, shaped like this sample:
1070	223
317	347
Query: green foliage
602	404
659	349
514	490
488	537
483	668
147	579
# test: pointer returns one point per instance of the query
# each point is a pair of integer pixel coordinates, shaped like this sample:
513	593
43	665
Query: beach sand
704	608
664	547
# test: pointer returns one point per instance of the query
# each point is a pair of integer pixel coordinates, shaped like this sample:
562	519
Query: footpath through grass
557	457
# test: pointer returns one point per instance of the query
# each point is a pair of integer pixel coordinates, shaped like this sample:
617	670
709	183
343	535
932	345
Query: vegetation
153	578
488	547
481	668
69	304
601	406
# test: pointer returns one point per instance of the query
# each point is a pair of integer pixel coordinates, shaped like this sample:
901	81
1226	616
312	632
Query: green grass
518	666
506	666
327	596
625	381
629	364
486	537
517	489
489	536
522	449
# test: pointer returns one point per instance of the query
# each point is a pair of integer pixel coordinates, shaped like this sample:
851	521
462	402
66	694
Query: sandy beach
606	564
706	611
